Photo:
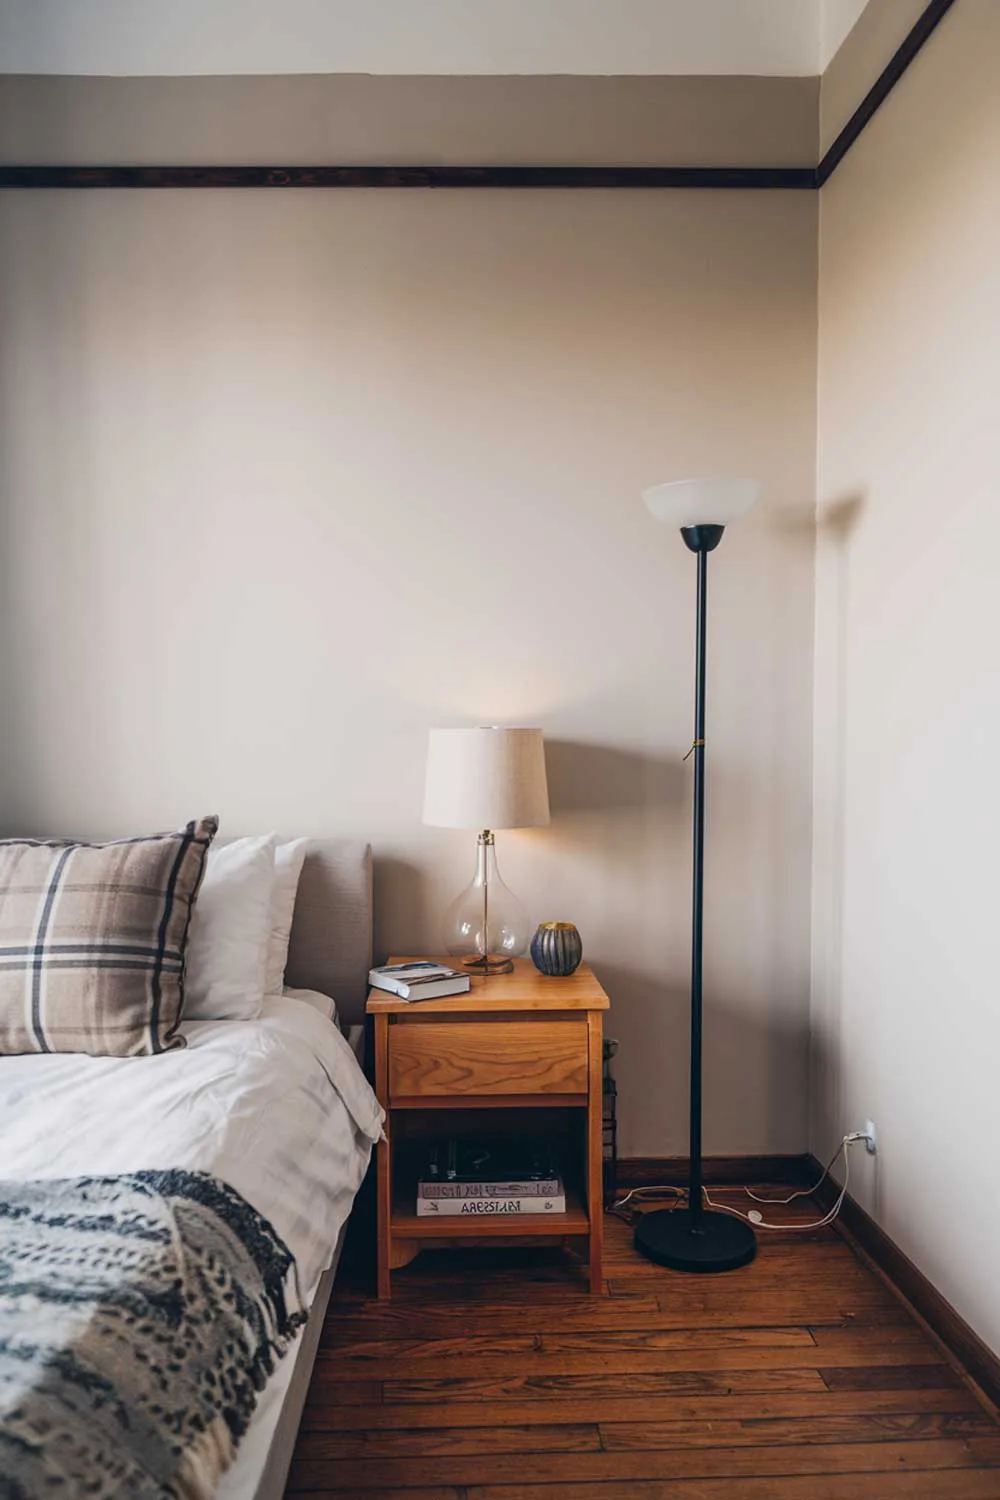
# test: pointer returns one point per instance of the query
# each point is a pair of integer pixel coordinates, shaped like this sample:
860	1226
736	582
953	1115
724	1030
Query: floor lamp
695	1238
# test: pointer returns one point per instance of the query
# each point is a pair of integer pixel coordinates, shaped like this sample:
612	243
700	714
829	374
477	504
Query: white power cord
757	1220
639	1192
754	1217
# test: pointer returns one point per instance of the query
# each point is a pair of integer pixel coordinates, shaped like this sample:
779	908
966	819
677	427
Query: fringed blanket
140	1316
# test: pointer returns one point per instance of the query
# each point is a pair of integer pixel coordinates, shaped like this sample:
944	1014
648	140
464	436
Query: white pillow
288	861
230	932
325	1004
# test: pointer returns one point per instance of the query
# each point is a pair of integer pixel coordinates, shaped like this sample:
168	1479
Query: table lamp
486	778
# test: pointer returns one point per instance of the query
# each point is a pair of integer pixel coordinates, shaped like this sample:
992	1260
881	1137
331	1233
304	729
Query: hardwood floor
492	1375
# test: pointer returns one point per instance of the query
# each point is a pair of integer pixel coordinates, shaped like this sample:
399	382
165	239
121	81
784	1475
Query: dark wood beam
767	178
408	177
926	24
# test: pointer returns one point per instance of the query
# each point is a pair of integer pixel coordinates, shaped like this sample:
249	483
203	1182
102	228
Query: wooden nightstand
518	1052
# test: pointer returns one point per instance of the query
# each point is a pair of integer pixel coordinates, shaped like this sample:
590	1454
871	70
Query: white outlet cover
871	1139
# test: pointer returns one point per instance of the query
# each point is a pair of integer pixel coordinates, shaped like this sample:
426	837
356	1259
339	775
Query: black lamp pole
695	1238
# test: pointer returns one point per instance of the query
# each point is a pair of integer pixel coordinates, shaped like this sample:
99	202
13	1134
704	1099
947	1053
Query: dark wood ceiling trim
926	24
408	177
770	178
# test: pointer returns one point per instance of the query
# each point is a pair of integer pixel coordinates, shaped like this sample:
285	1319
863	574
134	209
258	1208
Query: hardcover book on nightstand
419	981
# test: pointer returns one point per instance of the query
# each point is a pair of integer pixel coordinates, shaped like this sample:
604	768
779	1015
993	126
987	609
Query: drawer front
497	1057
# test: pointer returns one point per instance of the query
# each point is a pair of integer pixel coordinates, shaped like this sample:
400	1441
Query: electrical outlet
871	1141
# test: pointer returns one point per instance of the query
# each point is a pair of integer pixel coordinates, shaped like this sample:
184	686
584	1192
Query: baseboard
861	1230
672	1171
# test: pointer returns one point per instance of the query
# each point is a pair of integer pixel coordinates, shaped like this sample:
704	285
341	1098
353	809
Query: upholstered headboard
331	943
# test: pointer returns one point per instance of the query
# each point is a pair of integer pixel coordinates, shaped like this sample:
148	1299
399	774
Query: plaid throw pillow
92	940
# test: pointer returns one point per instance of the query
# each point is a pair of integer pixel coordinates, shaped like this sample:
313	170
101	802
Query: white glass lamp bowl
486	778
701	502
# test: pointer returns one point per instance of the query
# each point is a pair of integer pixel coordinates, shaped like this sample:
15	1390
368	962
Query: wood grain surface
492	1376
480	1058
523	990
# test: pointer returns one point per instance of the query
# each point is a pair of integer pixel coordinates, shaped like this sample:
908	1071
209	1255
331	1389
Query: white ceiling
137	37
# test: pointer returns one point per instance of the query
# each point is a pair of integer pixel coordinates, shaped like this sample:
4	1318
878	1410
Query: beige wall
361	120
905	1017
290	477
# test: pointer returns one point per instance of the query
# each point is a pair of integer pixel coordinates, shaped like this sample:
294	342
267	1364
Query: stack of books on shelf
464	1180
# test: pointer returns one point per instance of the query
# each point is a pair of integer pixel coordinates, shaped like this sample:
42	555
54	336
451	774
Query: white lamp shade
701	502
486	778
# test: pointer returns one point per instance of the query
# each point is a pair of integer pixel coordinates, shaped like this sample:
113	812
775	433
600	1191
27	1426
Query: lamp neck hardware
702	538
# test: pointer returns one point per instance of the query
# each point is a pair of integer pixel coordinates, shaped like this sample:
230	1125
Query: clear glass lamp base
486	927
490	965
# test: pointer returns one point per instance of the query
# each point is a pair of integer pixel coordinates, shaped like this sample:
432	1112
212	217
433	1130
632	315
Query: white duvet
277	1108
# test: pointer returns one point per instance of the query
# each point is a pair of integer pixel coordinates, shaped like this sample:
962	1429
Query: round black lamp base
719	1242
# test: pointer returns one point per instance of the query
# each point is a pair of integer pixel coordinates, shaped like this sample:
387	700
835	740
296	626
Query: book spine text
445	1208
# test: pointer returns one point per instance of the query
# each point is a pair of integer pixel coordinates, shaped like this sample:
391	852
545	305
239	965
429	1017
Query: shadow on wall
836	521
403	910
827	1103
600	778
623	813
754	1066
584	779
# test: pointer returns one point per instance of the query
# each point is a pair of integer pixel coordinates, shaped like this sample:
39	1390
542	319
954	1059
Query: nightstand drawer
492	1057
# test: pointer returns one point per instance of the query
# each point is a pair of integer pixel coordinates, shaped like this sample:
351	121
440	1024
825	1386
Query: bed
277	1108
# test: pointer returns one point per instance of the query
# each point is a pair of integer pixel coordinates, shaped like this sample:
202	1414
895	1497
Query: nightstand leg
383	1160
595	1148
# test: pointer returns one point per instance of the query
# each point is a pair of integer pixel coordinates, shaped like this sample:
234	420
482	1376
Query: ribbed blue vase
556	949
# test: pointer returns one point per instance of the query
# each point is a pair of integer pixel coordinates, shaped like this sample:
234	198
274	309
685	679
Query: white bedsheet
277	1108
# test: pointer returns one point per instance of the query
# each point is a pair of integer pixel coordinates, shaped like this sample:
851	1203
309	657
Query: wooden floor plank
372	1353
351	1475
452	1441
322	1416
956	1484
437	1492
559	1387
493	1376
735	1310
913	1350
360	1393
715	1432
887	1377
619	1285
767	1431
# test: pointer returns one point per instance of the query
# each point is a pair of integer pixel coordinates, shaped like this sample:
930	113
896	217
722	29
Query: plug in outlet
871	1141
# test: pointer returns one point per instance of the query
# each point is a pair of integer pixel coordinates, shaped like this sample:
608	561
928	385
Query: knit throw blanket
140	1316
